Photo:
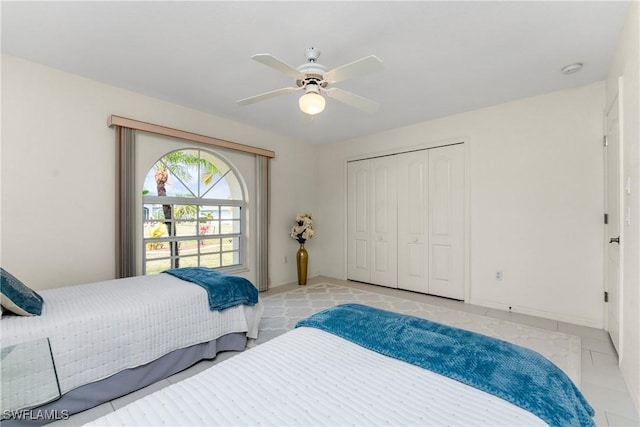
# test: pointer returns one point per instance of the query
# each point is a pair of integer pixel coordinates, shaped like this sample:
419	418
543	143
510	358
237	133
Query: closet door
413	221
358	221
446	221
405	225
384	236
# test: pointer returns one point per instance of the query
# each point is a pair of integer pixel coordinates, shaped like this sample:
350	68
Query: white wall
626	64
536	196
58	174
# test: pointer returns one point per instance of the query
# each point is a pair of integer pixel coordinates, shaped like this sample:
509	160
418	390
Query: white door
446	221
614	187
405	221
384	236
413	221
358	221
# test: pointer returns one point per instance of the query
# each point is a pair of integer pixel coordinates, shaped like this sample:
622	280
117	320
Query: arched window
193	212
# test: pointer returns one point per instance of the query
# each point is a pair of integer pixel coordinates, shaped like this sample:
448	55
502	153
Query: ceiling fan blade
353	100
367	65
275	63
267	95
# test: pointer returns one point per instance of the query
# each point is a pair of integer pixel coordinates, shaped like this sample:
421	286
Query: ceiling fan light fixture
311	102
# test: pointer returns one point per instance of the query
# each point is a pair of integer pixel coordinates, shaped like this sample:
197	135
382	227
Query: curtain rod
115	120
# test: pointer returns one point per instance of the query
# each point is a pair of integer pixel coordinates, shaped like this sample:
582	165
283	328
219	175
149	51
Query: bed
357	365
113	337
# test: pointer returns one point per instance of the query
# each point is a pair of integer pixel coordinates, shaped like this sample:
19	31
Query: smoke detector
572	68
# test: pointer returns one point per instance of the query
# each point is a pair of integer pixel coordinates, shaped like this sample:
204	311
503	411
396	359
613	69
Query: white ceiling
440	58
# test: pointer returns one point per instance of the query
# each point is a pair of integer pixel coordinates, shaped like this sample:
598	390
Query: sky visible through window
190	180
176	188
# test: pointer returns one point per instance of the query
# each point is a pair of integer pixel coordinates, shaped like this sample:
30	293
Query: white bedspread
102	328
309	377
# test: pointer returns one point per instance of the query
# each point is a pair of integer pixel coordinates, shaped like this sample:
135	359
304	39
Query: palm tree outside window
193	207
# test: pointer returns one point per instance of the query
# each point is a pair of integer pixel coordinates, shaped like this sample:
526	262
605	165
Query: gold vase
302	259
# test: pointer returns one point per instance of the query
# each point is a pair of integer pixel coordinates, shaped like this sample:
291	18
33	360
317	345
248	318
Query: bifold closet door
358	221
405	225
413	221
372	221
446	221
431	221
384	222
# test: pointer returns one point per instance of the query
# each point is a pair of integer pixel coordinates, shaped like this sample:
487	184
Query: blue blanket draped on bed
513	373
223	290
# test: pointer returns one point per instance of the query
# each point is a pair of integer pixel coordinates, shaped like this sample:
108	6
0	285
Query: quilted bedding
311	377
102	328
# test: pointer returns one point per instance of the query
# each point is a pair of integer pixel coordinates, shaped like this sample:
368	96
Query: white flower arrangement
303	228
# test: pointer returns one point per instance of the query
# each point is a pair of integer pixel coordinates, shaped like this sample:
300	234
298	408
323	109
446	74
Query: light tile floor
602	382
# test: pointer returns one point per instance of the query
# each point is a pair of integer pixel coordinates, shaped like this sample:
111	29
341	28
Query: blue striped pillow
18	298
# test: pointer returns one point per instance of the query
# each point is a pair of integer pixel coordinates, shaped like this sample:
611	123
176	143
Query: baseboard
540	313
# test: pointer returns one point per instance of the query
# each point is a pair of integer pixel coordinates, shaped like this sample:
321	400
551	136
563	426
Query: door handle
379	238
615	240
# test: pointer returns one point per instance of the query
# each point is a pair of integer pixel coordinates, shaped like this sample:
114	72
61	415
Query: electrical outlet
498	275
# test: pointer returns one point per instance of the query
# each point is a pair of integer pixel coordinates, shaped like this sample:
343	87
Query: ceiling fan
315	80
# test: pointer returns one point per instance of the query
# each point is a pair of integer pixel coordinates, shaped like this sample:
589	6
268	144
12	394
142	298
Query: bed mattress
102	328
310	377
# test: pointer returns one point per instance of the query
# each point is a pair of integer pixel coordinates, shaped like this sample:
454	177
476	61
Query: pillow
17	298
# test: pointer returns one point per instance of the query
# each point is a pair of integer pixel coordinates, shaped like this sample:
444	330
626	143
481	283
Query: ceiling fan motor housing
311	78
312	70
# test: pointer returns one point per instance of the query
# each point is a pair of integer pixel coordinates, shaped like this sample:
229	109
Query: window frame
128	199
200	202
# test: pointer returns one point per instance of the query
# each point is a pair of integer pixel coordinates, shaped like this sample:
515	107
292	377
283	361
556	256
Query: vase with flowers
301	231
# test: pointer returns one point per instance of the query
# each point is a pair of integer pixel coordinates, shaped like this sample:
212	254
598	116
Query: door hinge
605	140
606	218
606	297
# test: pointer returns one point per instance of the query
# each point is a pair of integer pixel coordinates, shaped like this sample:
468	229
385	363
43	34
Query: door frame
465	141
617	99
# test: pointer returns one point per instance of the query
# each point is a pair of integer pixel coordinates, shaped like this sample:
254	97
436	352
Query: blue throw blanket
513	373
223	290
